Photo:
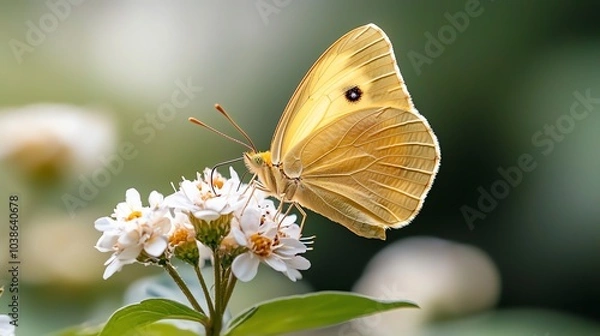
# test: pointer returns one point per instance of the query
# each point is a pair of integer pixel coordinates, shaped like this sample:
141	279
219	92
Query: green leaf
155	329
141	314
164	329
242	317
302	312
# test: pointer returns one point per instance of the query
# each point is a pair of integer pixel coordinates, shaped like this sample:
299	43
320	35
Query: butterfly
350	145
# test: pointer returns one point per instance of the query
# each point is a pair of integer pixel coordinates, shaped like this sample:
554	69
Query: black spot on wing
353	94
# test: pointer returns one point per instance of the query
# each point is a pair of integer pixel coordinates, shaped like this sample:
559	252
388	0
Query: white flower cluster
209	215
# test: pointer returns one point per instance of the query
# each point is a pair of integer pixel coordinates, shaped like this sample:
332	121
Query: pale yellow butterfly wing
364	58
365	161
368	170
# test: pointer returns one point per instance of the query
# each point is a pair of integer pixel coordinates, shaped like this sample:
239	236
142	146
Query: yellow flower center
218	182
261	245
133	215
180	236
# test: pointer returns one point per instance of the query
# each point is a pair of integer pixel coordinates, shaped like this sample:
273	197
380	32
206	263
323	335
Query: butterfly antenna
237	127
212	172
210	128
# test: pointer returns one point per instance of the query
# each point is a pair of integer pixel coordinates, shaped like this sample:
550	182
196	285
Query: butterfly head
256	161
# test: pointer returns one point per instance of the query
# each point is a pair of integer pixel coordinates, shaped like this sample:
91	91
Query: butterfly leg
280	209
302	213
253	185
287	213
248	201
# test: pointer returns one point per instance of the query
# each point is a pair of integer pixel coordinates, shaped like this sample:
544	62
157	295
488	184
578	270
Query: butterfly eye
258	160
353	94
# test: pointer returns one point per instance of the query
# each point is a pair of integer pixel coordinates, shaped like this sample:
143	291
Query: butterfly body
271	178
350	144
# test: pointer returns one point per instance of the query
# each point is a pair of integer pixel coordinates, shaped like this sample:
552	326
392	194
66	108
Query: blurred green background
488	91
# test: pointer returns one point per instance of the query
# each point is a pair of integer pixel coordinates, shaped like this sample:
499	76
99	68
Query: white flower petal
178	200
122	211
113	266
106	243
155	199
292	231
105	224
130	253
239	236
207	215
289	220
269	230
293	274
156	246
299	263
233	175
133	199
219	204
290	247
190	190
275	263
267	205
245	266
250	221
131	237
162	224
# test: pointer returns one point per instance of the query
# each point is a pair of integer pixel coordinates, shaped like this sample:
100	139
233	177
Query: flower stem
217	318
230	286
205	290
184	288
